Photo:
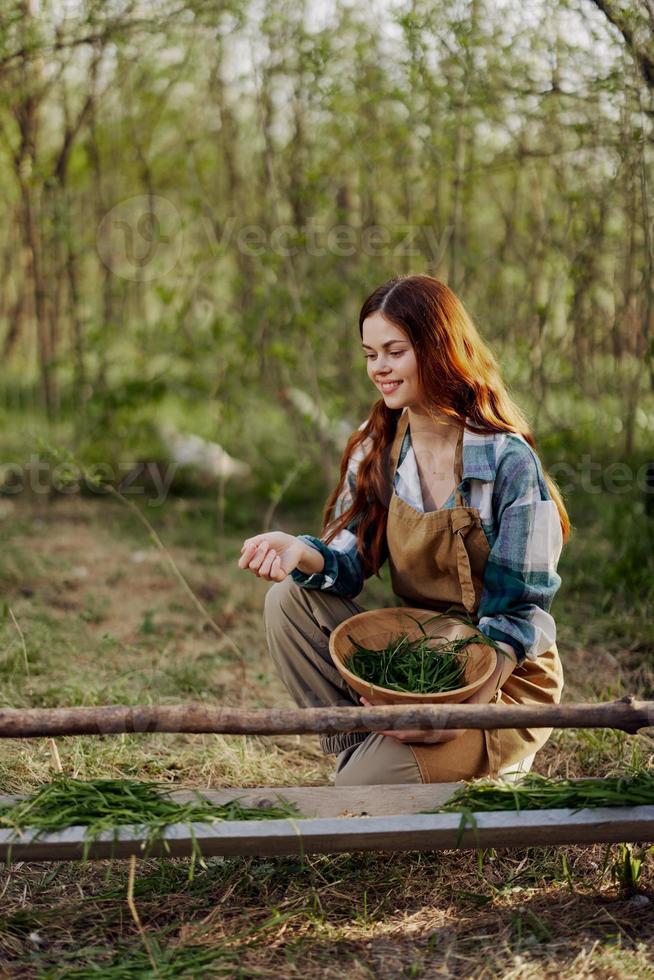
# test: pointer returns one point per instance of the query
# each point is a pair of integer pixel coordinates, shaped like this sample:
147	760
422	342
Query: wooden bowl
375	629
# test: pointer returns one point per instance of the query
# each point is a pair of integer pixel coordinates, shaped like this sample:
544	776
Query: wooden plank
338	801
627	714
334	835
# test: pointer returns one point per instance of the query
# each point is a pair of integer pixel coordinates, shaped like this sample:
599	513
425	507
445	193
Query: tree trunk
26	112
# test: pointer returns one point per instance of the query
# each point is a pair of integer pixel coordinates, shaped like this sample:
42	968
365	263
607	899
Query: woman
444	482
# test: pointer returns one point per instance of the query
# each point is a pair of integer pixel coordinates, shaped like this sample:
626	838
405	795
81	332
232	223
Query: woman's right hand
272	555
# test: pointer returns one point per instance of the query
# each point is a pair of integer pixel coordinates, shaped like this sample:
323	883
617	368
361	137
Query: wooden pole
627	714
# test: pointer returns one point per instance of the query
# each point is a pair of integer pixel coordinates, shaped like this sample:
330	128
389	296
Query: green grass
130	964
125	632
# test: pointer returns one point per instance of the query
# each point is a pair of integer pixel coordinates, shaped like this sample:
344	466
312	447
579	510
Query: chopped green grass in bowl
429	664
421	666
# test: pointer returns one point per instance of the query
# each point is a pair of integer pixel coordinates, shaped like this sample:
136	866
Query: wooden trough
387	821
334	819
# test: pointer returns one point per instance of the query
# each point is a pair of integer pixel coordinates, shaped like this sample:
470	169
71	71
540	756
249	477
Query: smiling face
390	358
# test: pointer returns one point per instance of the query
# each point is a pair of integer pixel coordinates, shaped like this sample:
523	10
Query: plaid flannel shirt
503	479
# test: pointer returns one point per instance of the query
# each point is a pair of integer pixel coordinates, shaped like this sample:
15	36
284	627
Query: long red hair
461	378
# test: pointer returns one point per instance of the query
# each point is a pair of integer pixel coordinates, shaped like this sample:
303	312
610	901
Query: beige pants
298	623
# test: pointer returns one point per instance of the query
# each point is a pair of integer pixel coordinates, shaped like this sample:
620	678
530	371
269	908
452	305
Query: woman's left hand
417	734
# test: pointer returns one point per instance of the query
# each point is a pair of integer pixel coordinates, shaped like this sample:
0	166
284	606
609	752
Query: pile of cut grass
103	805
535	792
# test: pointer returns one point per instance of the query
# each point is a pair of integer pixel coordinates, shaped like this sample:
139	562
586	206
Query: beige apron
437	561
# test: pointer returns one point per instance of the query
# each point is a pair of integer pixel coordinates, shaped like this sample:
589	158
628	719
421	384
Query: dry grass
103	620
517	914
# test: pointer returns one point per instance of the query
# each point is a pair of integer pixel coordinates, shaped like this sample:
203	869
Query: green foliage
630	573
205	275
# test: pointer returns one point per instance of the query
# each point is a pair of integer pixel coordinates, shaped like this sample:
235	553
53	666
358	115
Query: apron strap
396	446
458	467
461	524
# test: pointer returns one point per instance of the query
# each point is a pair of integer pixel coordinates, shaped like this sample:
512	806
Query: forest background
197	196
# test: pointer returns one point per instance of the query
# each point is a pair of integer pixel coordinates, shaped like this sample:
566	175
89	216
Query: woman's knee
288	632
380	760
278	599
